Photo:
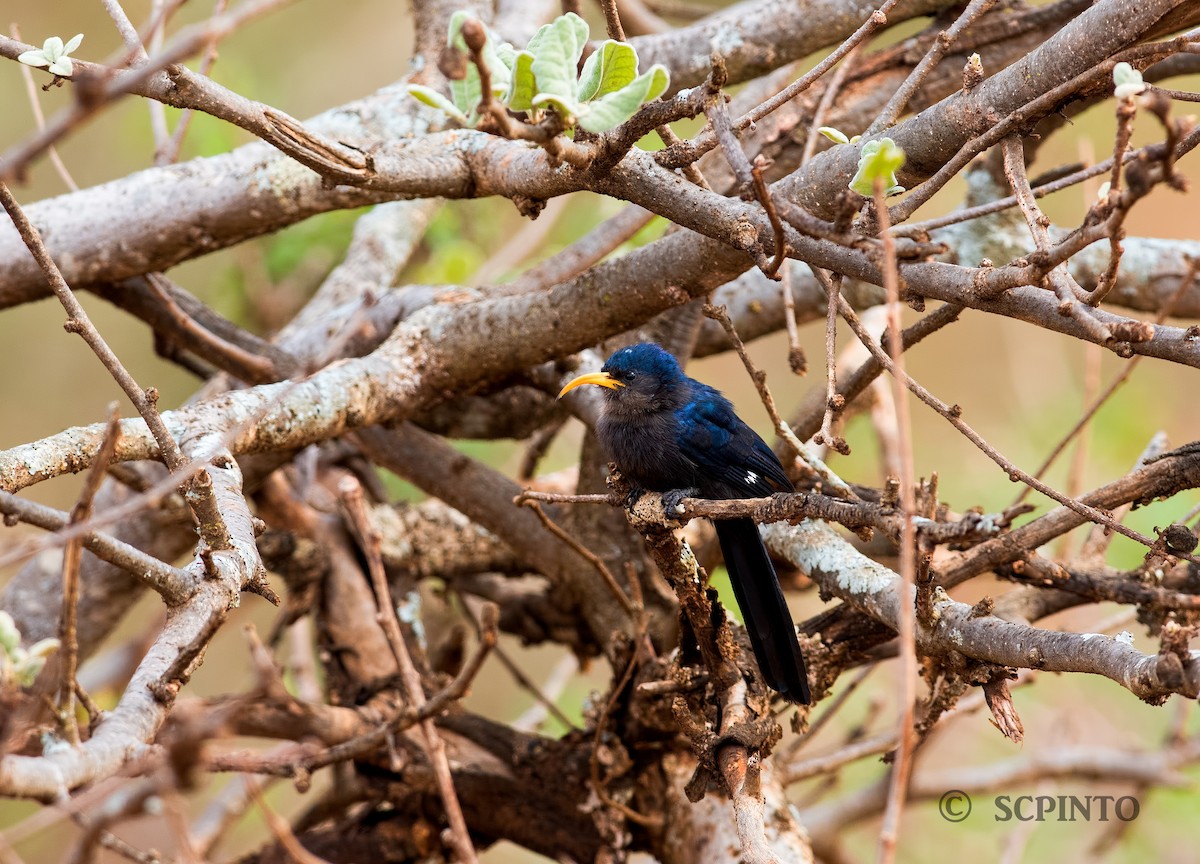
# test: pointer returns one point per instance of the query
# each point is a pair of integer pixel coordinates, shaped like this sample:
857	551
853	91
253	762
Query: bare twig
1065	287
953	414
612	20
40	119
609	579
280	828
834	402
71	555
583	253
1011	123
832	87
173	584
799	448
941	44
315	152
675	157
906	617
763	194
200	493
170	152
352	498
1096	404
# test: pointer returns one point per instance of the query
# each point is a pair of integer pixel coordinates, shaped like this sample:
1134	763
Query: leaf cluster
543	77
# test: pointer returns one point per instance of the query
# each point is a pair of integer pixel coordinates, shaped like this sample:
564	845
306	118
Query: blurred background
1018	387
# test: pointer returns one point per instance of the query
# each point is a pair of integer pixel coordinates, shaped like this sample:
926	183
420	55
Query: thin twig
352	498
832	762
1013	121
796	359
72	554
1065	287
562	497
905	615
1181	95
222	812
174	145
200	495
832	87
953	415
543	699
1165	312
173	584
15	161
535	715
612	20
517	672
280	828
40	119
136	55
913	229
809	419
833	401
1126	112
941	44
835	705
223	354
581	254
1092	357
591	557
288	764
763	194
799	449
678	156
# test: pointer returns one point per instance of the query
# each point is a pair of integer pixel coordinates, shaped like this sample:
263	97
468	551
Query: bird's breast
647	452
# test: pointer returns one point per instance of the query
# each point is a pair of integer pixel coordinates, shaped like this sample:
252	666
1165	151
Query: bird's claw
672	500
632	496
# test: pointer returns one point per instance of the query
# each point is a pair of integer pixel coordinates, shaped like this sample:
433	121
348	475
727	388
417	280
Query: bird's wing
729	453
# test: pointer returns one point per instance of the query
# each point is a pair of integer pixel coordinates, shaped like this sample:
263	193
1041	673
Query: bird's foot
672	500
632	496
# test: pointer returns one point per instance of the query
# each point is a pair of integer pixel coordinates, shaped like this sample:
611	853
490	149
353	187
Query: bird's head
639	378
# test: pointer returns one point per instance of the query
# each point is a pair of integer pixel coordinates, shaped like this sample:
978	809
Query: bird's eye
629	376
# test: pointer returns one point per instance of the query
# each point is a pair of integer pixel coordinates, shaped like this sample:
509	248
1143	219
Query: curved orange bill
601	378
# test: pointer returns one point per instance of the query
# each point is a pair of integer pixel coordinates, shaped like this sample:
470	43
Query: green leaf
556	49
10	636
506	53
466	94
1128	81
436	100
613	109
454	37
33	57
834	134
467	91
523	87
611	66
879	160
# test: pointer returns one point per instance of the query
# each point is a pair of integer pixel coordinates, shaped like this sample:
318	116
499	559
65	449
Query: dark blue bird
669	432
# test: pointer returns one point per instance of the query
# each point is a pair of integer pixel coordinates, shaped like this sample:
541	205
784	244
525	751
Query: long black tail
764	611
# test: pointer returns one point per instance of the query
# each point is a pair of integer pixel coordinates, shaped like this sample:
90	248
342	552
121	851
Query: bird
672	434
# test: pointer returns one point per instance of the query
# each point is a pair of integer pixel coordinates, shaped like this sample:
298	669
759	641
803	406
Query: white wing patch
751	477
